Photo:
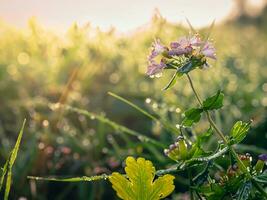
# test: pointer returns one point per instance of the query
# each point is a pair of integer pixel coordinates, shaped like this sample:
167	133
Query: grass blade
133	105
114	125
72	179
164	123
4	172
11	161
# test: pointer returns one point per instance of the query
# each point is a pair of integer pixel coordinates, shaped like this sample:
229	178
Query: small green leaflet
214	102
239	131
192	115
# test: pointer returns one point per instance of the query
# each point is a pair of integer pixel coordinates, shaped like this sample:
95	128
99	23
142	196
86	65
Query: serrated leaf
262	178
139	183
214	102
244	191
239	131
192	115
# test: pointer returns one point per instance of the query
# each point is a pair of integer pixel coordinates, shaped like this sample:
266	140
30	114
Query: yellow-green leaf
139	184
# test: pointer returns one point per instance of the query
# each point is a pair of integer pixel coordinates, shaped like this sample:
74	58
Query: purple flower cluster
185	46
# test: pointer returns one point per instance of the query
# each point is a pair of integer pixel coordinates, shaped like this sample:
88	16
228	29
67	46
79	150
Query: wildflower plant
240	177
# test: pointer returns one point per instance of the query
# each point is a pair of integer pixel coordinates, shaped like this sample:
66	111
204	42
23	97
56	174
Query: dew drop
148	100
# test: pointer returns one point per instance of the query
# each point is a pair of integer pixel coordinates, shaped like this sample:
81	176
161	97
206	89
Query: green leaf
204	137
187	67
192	115
214	102
139	183
239	131
173	80
202	176
262	178
11	162
244	191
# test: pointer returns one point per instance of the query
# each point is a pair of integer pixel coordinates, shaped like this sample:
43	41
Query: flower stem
217	130
212	123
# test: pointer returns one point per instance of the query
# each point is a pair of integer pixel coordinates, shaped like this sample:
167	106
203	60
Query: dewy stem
217	130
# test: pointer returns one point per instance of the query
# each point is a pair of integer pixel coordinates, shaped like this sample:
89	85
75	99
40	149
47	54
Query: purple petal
209	51
155	68
174	45
196	41
179	51
263	157
157	49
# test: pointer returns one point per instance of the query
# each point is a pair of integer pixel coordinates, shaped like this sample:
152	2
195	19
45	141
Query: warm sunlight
122	14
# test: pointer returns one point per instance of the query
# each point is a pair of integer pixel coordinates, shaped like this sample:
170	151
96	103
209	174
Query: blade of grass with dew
72	179
164	123
114	125
4	172
11	161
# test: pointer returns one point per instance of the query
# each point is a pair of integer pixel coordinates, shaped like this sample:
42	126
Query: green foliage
139	183
213	102
7	169
244	191
204	137
106	62
261	178
173	80
192	116
239	131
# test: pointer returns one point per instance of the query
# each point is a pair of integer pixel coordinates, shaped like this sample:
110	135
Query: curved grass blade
72	179
11	161
133	105
4	172
165	124
114	125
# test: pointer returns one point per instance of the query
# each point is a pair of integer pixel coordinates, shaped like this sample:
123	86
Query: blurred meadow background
47	58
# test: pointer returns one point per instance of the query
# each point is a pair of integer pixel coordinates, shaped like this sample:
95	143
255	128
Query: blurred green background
39	67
